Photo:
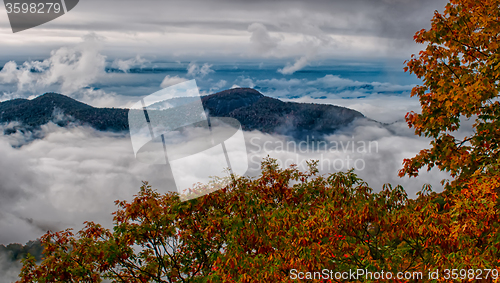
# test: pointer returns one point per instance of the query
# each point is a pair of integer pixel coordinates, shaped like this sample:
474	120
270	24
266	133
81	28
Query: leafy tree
258	230
253	230
460	71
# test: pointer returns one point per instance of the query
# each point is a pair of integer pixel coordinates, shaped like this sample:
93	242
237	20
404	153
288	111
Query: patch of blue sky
323	78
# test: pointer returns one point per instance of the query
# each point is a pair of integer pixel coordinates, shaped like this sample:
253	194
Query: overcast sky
246	29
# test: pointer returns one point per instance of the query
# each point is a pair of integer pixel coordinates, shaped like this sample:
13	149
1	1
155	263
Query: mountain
270	115
254	111
41	110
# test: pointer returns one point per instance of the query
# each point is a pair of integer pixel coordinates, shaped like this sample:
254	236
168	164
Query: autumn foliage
460	70
258	230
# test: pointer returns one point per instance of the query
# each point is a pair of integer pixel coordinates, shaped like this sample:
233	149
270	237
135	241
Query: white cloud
373	107
9	270
4	96
299	64
376	153
10	73
100	98
171	80
261	40
337	90
218	86
194	70
68	68
69	176
205	69
244	82
310	29
126	65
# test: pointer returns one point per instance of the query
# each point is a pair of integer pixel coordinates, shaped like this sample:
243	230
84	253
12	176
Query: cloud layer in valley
74	174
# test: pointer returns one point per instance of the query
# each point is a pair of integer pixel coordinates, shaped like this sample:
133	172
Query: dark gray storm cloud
197	28
387	18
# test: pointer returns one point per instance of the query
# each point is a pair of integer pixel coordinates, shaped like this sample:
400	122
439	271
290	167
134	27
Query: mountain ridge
254	110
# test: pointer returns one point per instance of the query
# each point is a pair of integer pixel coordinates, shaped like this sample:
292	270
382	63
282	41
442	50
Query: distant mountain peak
59	99
251	108
241	91
52	95
221	104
